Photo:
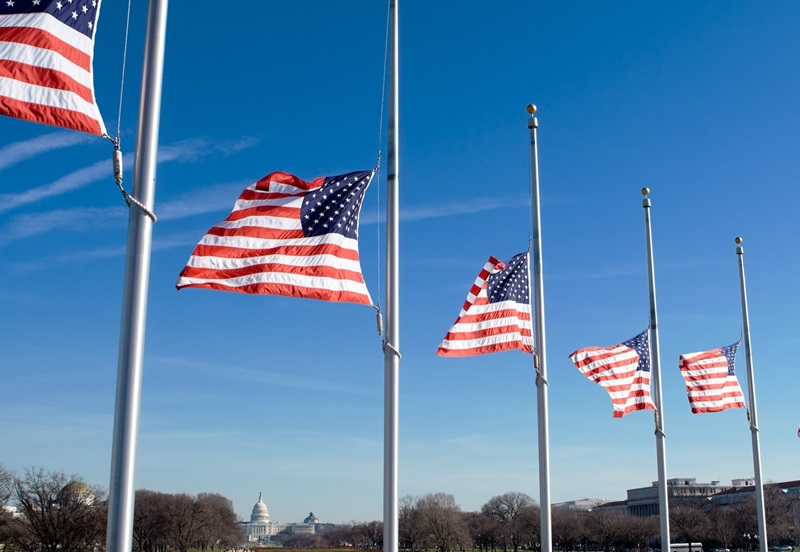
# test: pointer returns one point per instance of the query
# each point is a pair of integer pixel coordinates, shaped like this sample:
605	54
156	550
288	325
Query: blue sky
248	394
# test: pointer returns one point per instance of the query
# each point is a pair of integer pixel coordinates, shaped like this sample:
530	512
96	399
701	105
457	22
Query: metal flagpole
655	367
119	537
540	351
392	344
752	411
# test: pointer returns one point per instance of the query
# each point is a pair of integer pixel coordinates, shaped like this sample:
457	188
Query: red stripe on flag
273	268
40	38
272	211
287	290
281	177
257	232
484	349
231	252
259	195
57	116
41	76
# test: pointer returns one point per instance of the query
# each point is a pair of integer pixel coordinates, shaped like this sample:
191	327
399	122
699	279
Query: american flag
711	383
287	237
497	313
46	52
623	370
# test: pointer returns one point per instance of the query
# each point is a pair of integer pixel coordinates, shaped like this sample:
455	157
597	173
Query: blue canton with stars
640	344
334	206
511	283
81	15
730	354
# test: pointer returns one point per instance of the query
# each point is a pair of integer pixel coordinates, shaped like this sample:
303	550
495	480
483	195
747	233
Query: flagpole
392	344
752	412
655	366
540	350
119	535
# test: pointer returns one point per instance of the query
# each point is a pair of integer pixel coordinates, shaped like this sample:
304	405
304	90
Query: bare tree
359	536
221	529
505	509
689	522
186	519
6	490
637	532
411	526
150	521
483	530
444	525
6	486
300	540
374	530
722	526
338	537
527	527
744	514
58	513
604	527
566	527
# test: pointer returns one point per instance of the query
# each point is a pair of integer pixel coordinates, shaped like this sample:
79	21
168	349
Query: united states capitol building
261	529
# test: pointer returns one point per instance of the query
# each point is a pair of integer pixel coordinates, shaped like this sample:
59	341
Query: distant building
745	491
260	528
616	506
580	504
644	500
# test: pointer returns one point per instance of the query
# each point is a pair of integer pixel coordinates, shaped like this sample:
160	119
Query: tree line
51	512
56	513
511	521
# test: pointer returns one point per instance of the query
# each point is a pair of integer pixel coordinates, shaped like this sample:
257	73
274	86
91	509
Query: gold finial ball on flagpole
738	240
645	191
531	109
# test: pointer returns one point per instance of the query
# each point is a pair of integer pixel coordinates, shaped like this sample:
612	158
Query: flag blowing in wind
287	237
623	370
497	313
711	383
46	54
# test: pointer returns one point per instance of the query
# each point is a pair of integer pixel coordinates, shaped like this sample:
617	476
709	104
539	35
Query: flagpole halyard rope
117	155
659	431
384	344
124	63
387	345
539	376
382	110
129	199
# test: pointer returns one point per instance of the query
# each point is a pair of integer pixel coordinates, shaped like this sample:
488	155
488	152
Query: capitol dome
260	513
76	492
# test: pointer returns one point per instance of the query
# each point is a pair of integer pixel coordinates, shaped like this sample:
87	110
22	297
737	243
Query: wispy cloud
185	240
28	149
476	205
183	151
441	210
220	197
601	273
33	224
262	377
209	199
73	181
625	269
194	148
